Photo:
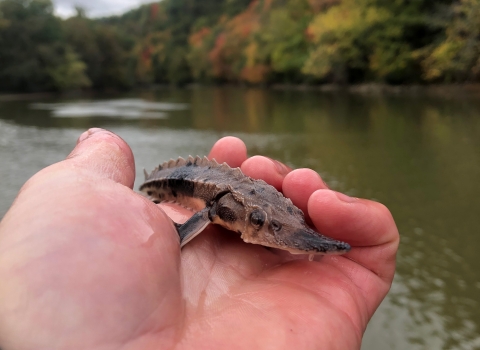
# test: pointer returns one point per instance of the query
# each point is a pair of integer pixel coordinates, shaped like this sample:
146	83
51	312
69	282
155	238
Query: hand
87	263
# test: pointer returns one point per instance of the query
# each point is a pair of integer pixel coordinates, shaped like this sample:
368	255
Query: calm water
417	154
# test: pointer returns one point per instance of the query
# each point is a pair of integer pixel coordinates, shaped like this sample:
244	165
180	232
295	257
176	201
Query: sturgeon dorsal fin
171	163
180	161
198	161
237	172
203	161
163	166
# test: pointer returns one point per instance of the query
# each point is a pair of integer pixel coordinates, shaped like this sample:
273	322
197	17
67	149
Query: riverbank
445	90
369	89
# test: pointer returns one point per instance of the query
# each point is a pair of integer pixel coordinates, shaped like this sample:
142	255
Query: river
416	153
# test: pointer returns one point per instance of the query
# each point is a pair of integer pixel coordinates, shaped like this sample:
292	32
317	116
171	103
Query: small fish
222	195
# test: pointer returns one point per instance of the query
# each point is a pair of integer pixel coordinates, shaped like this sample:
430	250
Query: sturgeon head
264	216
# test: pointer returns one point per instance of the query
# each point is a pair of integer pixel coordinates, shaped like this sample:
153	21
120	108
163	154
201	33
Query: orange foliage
267	4
255	74
216	56
309	34
246	22
146	55
226	56
196	39
144	64
153	11
146	51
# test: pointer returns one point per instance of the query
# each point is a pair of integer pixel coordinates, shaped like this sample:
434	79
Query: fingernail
345	198
281	168
88	133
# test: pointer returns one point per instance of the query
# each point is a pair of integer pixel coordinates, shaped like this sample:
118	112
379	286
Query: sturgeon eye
257	218
276	226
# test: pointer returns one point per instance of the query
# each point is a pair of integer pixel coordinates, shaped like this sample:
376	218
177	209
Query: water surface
419	155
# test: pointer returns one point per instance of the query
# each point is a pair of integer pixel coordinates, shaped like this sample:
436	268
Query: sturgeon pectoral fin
193	226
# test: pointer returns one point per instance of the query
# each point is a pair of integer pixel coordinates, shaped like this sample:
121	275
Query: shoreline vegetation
360	46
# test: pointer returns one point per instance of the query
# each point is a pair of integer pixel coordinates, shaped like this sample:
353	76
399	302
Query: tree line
240	41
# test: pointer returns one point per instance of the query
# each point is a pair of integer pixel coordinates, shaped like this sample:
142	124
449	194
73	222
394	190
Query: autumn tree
247	41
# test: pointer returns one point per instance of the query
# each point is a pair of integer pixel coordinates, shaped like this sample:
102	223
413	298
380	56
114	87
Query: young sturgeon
225	196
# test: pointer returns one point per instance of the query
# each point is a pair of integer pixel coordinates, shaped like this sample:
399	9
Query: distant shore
444	90
368	89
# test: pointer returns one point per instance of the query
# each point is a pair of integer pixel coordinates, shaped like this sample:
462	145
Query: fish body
223	195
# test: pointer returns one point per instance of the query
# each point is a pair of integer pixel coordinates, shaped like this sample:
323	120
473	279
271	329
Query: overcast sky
96	8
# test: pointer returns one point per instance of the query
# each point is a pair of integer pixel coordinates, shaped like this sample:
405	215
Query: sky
96	8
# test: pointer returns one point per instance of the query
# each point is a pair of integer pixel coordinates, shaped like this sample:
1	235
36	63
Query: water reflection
119	109
418	154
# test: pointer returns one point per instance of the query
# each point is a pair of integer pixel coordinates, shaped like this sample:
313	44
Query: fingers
104	154
362	222
233	151
366	225
230	150
299	185
271	171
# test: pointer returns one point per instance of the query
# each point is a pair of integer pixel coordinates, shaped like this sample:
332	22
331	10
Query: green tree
457	57
338	36
282	41
30	45
70	73
105	50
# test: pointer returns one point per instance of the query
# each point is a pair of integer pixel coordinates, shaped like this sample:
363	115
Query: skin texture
85	262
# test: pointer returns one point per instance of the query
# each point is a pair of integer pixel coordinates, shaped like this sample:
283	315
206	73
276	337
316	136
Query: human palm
85	262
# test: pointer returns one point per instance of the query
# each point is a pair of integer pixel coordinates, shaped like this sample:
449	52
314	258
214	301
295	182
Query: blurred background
380	97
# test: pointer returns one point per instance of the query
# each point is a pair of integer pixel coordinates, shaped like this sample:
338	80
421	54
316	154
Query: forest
253	42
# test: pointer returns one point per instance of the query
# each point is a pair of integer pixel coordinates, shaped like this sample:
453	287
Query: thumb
104	154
